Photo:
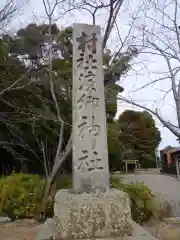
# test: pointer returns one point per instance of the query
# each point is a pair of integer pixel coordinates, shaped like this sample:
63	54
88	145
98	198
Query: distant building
167	159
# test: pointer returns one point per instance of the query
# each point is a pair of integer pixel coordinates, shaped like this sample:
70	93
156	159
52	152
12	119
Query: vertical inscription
89	126
87	64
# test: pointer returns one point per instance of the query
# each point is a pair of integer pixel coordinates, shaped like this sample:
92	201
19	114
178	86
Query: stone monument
90	155
91	209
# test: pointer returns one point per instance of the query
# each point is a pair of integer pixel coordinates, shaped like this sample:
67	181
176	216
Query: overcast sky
150	96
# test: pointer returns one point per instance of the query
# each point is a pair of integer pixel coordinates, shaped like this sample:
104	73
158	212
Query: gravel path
164	187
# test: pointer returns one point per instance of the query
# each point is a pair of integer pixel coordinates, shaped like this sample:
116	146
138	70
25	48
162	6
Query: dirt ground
27	230
19	230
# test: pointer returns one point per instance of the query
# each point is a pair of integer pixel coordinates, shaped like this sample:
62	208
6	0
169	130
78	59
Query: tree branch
8	11
155	113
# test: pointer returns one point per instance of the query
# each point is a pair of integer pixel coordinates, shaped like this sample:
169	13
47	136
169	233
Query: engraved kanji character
91	63
82	126
86	99
91	163
94	129
92	100
88	95
81	100
85	39
94	40
81	76
95	162
91	84
90	76
83	159
80	60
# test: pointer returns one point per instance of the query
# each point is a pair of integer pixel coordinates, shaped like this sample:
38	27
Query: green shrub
19	195
143	205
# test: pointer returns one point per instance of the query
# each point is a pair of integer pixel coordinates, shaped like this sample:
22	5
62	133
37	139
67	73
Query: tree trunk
46	194
51	180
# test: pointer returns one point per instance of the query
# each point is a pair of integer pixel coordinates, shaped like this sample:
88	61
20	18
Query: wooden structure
135	162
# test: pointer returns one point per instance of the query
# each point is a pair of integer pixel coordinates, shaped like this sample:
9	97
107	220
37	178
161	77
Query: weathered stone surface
92	215
138	233
90	155
5	220
47	231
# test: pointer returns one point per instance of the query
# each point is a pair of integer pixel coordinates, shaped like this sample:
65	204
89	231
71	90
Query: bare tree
60	155
8	10
159	37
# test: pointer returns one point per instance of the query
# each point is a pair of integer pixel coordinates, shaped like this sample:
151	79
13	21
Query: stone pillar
90	155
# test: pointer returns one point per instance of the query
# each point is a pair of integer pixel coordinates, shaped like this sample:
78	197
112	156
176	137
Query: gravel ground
164	188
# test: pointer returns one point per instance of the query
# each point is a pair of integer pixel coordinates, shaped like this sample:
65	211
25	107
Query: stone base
47	232
87	215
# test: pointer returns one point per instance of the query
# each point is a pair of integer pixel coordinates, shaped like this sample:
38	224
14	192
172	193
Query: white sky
150	96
